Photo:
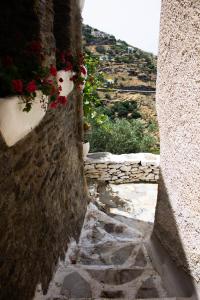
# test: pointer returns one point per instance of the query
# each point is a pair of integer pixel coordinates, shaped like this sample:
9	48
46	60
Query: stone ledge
124	168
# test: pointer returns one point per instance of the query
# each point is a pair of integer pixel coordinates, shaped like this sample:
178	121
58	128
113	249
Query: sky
134	21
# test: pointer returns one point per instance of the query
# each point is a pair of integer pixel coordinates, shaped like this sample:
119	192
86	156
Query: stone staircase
110	262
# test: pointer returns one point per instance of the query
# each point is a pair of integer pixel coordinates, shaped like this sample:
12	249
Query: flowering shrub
65	61
26	74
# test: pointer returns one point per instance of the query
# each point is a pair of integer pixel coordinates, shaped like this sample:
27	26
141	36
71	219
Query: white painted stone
15	124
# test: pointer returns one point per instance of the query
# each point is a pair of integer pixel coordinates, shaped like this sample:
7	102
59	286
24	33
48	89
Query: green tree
122	136
91	98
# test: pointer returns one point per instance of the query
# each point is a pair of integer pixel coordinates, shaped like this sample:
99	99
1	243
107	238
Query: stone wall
125	168
177	224
42	191
22	22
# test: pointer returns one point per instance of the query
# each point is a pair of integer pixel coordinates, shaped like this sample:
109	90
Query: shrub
121	136
108	96
100	49
126	109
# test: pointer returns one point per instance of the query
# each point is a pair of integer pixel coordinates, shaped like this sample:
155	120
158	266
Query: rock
115	166
119	181
143	168
140	260
134	170
75	286
156	172
113	171
89	167
101	166
138	175
120	256
112	228
115	276
112	294
147	171
109	227
105	178
150	176
147	290
120	174
125	168
125	177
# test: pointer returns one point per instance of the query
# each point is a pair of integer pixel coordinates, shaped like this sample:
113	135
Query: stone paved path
110	261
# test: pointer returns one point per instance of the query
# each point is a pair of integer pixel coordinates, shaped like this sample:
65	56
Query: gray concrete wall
177	224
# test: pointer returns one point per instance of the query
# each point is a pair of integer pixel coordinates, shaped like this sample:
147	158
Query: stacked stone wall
42	189
126	168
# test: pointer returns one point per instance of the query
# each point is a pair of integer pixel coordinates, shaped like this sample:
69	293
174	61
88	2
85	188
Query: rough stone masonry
124	168
42	189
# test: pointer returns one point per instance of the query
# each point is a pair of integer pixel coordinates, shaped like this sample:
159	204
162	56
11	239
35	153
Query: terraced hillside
130	73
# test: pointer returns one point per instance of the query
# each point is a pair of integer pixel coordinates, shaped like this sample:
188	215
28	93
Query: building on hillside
104	58
98	34
130	50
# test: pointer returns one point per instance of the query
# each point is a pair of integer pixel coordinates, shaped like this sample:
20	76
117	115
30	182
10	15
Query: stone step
165	298
112	283
114	253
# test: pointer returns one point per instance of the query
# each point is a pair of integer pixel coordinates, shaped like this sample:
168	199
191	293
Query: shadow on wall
173	270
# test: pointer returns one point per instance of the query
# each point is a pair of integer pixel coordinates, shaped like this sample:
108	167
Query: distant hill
126	65
126	68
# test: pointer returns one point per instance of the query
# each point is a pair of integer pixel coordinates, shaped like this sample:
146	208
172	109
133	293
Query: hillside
127	70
